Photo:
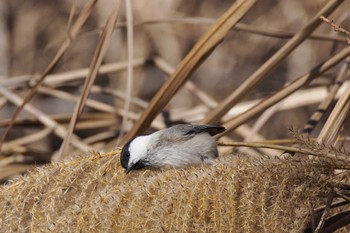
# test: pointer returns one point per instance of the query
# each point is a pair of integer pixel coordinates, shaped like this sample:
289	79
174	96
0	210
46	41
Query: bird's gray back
183	132
176	148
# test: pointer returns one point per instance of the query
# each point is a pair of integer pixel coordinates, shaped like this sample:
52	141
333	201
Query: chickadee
177	146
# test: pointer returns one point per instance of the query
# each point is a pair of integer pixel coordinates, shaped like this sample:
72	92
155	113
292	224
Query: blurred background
164	31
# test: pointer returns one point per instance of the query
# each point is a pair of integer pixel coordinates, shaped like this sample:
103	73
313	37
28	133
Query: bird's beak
129	168
134	166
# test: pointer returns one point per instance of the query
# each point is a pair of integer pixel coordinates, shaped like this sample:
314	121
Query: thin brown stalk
56	79
195	57
345	197
83	16
268	146
96	124
71	15
249	134
130	52
300	98
58	129
60	118
13	169
189	85
5	161
260	74
71	98
3	102
27	139
119	94
339	220
94	104
333	205
95	64
65	118
99	137
284	34
336	28
325	212
190	115
286	91
265	116
326	103
330	130
63	77
241	27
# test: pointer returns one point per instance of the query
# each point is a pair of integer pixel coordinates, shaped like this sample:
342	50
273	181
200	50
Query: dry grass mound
238	194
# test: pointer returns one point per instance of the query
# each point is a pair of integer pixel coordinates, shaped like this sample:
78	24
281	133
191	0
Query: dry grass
239	193
106	76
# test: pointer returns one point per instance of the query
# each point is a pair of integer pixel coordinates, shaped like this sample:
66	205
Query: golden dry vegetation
238	194
87	75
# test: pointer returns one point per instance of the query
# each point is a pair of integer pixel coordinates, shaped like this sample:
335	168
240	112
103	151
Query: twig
326	102
286	91
334	122
333	205
337	221
258	30
27	139
325	212
102	136
44	119
264	70
200	51
69	76
119	94
101	49
84	14
336	28
269	146
130	78
192	87
342	196
97	105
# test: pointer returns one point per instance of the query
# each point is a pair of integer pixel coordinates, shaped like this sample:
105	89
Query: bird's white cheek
133	160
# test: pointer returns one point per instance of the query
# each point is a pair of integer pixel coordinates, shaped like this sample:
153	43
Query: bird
177	146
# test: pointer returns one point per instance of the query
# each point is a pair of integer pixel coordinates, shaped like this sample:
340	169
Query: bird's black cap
125	155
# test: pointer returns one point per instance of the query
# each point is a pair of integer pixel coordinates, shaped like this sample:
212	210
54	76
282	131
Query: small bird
177	146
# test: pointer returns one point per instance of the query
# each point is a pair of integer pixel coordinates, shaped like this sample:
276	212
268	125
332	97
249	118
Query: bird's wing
210	129
184	132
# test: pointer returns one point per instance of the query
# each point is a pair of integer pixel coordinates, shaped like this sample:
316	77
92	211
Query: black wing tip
218	129
221	129
210	129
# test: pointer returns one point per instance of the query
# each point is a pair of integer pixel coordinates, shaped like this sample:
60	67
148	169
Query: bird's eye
127	155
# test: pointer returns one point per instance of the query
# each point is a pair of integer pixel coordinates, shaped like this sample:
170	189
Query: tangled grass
93	194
